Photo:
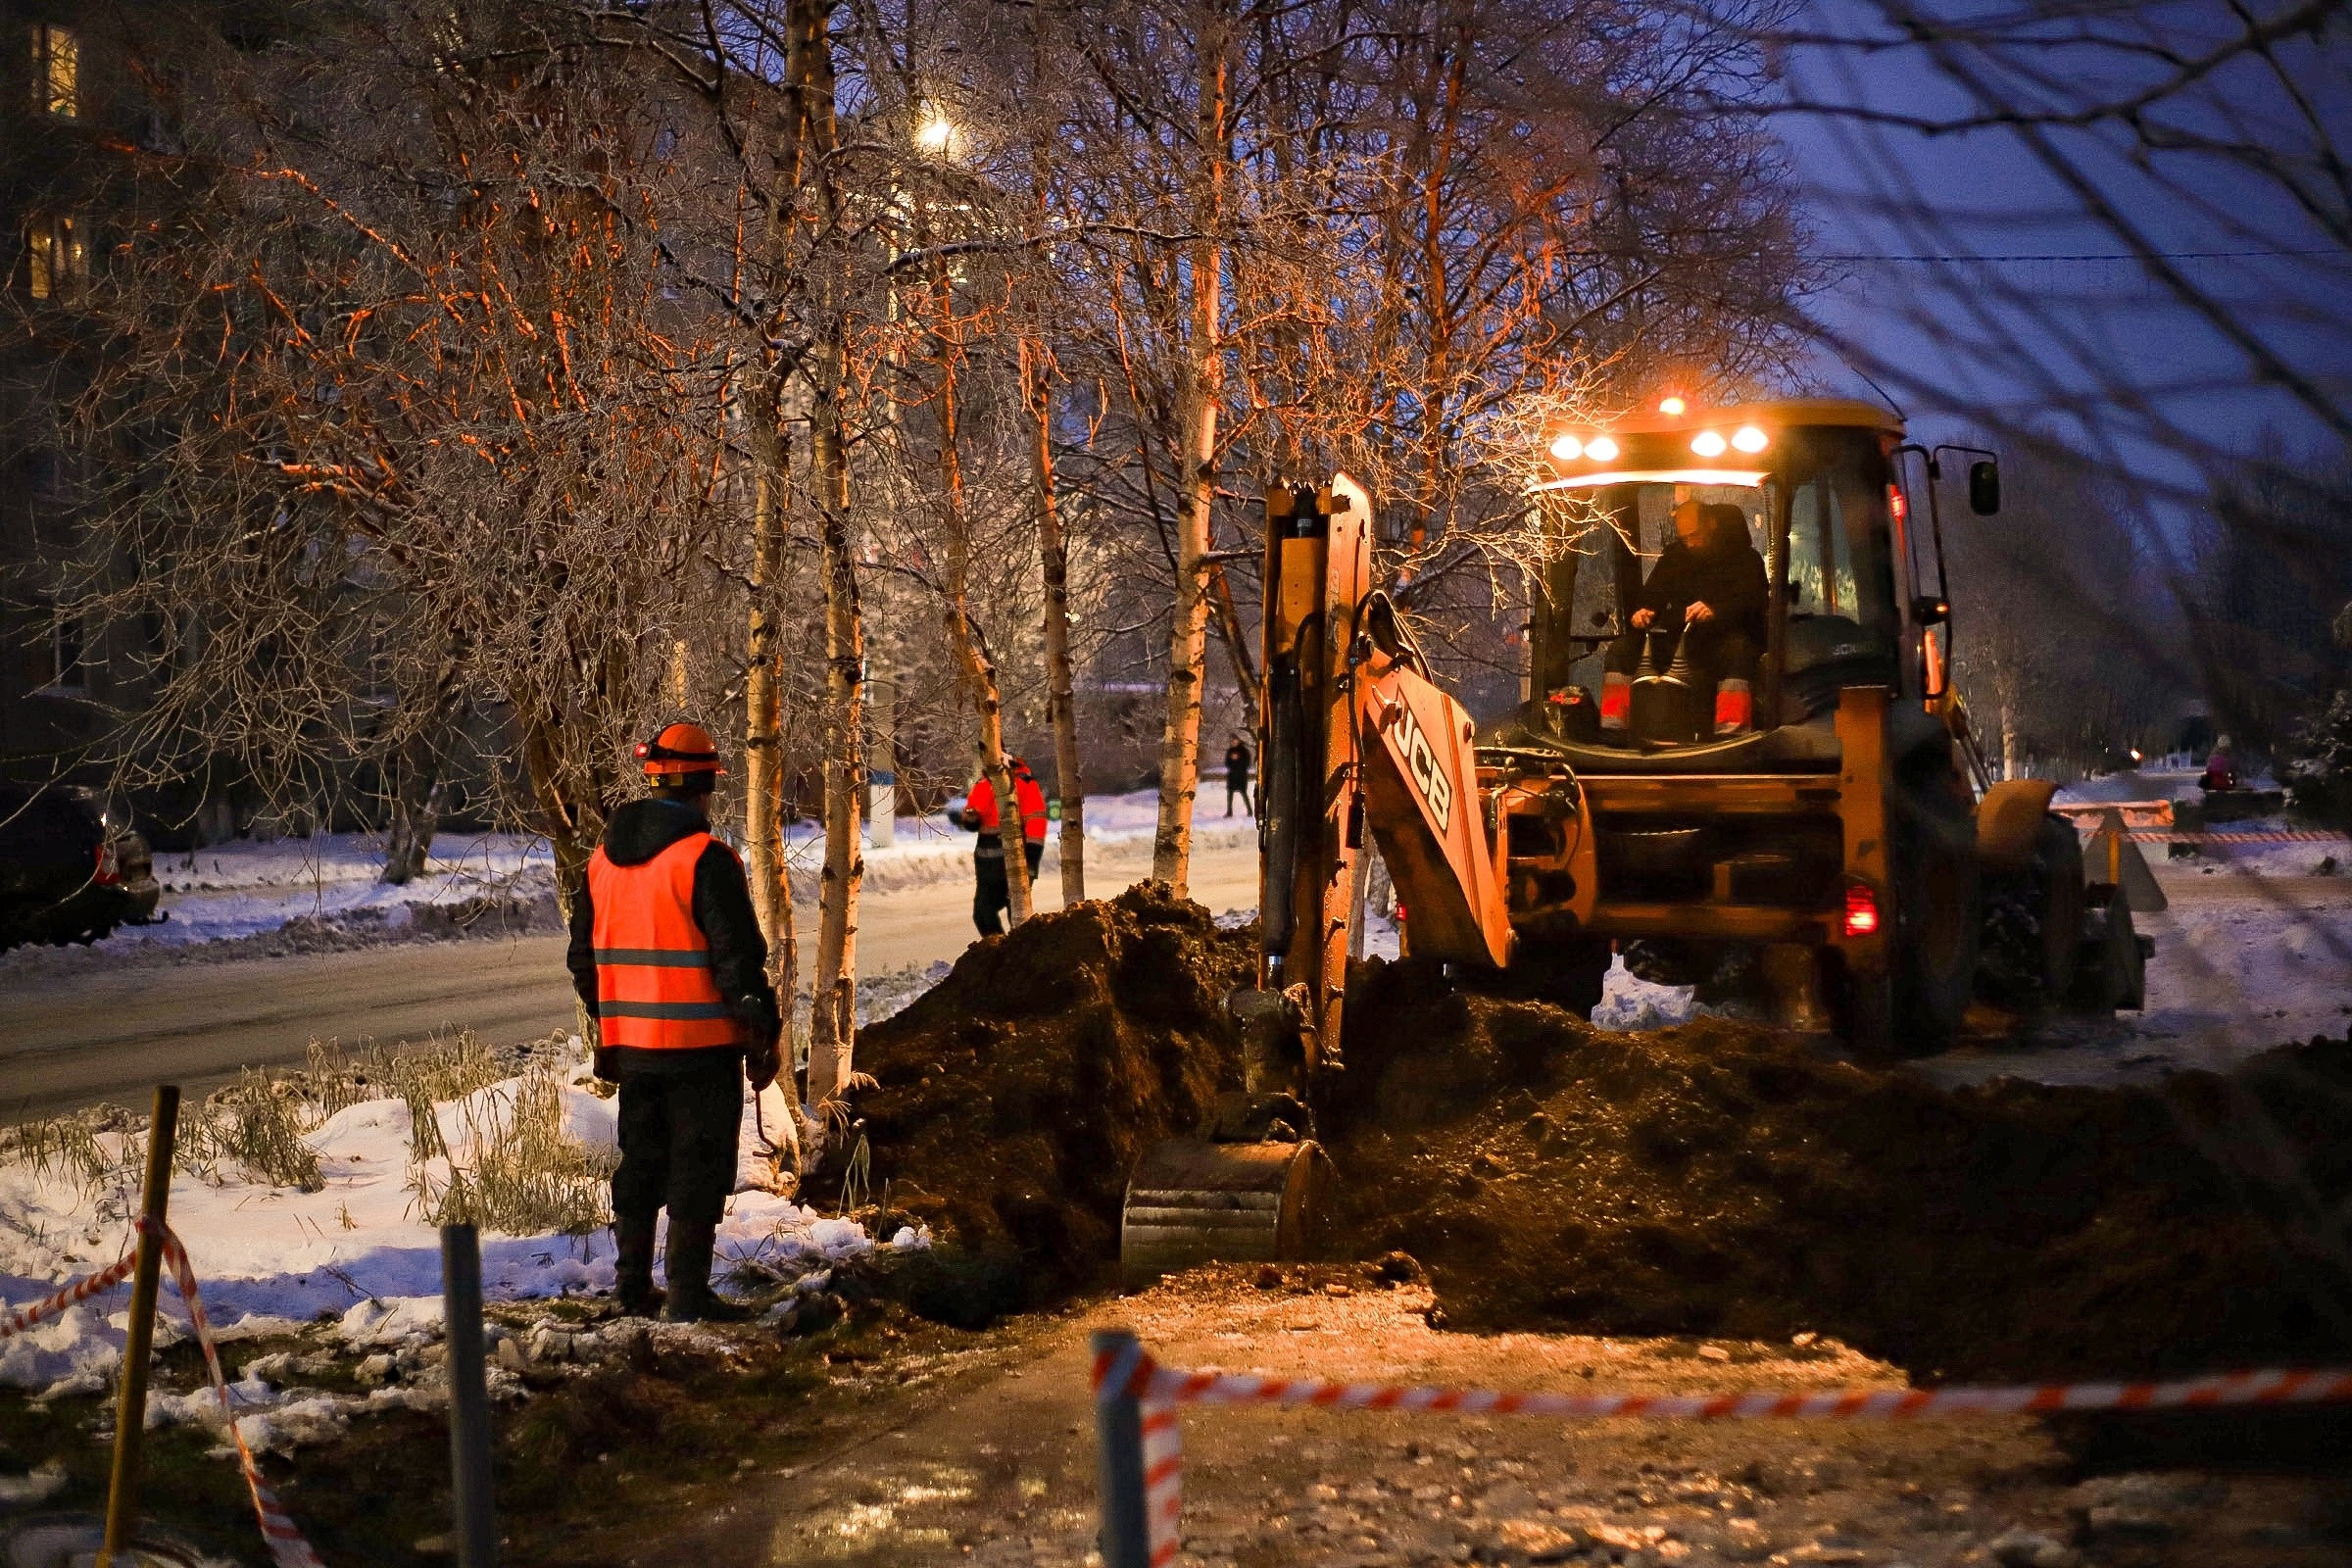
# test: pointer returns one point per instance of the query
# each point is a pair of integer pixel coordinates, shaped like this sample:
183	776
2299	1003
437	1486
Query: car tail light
109	869
1861	910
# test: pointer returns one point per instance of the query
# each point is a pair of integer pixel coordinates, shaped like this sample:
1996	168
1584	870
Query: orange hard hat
679	748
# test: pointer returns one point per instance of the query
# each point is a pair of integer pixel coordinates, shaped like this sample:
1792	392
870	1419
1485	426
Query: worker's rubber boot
691	1299
1735	708
634	1294
1616	703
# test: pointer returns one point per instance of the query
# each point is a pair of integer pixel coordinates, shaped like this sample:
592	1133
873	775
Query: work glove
606	1064
766	1058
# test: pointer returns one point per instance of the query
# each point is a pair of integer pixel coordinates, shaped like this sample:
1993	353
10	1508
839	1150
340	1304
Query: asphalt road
76	1040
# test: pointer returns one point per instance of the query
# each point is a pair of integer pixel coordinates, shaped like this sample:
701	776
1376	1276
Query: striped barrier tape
2291	836
81	1290
1161	1390
287	1547
1130	1371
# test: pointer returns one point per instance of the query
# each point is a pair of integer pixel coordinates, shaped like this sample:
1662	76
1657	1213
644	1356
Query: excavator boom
1353	733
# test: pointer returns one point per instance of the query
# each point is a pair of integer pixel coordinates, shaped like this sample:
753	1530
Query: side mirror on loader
1984	488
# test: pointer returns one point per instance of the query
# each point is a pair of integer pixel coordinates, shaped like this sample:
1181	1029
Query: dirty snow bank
357	1250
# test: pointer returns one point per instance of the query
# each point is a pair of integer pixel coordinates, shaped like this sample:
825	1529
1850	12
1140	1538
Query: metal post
1119	1452
469	1396
130	1415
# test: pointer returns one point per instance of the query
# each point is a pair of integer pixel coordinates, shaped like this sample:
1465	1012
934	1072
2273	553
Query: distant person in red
2221	769
992	898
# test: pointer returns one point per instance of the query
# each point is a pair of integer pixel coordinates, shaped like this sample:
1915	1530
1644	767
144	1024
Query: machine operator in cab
1708	590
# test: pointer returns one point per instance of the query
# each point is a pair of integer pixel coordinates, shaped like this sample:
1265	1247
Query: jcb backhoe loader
1844	856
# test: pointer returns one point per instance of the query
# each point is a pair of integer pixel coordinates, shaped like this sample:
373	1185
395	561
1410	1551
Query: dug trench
1715	1179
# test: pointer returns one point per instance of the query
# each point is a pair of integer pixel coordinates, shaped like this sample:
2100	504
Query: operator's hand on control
1643	618
1697	612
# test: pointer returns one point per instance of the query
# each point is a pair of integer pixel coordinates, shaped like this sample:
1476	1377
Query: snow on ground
358	1249
244	888
248	889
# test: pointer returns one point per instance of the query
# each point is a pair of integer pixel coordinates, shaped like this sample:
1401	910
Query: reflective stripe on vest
654	985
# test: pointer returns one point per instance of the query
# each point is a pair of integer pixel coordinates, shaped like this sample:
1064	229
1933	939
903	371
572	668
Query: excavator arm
1353	734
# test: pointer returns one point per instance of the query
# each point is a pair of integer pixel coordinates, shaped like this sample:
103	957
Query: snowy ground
325	889
356	1248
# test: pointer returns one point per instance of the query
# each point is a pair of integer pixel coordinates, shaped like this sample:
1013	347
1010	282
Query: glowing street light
935	133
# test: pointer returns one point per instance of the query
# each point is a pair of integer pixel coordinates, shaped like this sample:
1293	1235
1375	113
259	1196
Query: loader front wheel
2034	920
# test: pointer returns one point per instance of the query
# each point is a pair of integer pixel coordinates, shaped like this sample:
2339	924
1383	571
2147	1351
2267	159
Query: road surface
75	1040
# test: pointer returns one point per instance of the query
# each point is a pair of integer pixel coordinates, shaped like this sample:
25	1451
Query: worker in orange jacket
666	954
991	896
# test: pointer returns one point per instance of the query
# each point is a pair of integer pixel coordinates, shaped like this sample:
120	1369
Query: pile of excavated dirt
1012	1099
1719	1179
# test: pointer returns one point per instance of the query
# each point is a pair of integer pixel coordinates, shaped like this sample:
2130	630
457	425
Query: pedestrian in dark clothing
1708	589
667	956
1236	776
992	896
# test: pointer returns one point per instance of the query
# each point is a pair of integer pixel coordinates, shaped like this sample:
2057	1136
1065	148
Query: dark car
69	872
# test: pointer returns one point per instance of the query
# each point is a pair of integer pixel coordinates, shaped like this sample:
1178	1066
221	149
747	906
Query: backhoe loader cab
1816	489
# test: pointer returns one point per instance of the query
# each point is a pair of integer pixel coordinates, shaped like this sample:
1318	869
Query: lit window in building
59	254
55	70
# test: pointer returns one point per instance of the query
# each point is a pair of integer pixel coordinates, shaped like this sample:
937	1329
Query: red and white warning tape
2284	836
1161	1389
81	1290
287	1547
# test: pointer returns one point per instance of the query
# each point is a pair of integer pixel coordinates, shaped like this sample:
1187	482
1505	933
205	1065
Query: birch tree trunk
832	1015
832	1021
976	669
1054	560
764	717
1204	393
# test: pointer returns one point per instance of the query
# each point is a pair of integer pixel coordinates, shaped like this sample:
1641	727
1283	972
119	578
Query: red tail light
109	869
1861	910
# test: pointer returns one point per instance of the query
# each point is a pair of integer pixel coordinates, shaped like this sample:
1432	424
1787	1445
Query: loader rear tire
1915	1009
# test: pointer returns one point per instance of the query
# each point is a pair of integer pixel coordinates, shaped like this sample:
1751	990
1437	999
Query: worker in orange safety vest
667	956
992	898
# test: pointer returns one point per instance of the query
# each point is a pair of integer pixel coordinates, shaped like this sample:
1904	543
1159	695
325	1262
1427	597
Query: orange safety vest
1029	797
654	987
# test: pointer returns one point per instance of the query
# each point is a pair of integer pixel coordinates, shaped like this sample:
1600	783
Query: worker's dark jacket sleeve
722	910
722	907
581	956
1727	579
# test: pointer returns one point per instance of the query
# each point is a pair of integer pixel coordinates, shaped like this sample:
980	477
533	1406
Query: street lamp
935	133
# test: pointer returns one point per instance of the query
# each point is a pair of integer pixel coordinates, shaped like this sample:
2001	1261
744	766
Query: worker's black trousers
992	896
1239	788
678	1141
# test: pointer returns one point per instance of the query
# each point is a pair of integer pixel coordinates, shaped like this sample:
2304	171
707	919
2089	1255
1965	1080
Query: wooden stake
131	1416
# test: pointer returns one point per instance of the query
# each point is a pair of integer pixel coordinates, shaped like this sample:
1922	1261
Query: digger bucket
1193	1201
